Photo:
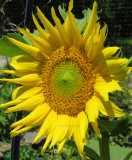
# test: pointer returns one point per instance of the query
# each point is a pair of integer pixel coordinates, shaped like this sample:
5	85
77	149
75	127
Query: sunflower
66	81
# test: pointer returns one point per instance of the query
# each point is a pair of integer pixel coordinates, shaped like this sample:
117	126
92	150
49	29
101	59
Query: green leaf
126	65
27	40
62	12
130	116
116	152
8	49
36	33
16	36
113	127
128	156
90	152
81	23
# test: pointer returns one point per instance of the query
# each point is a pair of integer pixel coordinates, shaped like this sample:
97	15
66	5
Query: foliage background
117	15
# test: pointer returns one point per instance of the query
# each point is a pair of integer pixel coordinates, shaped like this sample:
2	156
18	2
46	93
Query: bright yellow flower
66	81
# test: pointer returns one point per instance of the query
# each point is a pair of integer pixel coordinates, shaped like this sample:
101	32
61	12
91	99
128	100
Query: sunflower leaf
90	152
28	41
62	12
113	127
81	23
116	152
128	156
8	49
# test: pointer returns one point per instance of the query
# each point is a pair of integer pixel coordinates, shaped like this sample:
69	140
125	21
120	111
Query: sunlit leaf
113	127
128	156
89	152
116	152
8	49
81	23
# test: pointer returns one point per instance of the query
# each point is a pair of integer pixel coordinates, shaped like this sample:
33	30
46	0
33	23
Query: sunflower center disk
68	81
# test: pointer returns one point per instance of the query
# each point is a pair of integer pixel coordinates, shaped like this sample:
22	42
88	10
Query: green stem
104	147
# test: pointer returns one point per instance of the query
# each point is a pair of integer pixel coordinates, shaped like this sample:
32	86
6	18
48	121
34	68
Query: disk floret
67	81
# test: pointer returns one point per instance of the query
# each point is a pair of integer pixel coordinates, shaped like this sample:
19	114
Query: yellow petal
63	35
101	90
102	38
108	108
70	6
27	80
24	129
67	24
91	23
77	38
83	123
43	34
67	27
42	44
61	145
103	87
99	62
51	29
92	110
112	63
117	74
91	46
26	64
99	59
61	129
117	111
28	104
25	92
33	51
41	31
16	73
48	139
116	62
16	129
69	134
42	109
40	120
11	103
109	51
48	125
96	129
78	140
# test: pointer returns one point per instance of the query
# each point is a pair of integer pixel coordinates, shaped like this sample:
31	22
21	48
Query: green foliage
126	45
128	156
113	127
124	101
5	119
26	153
81	23
8	49
116	152
88	151
35	32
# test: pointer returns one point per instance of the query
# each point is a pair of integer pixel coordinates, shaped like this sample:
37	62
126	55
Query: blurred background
118	16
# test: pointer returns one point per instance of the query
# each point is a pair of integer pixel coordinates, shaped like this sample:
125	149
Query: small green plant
5	119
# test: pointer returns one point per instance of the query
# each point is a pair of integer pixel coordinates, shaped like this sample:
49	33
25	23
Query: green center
67	78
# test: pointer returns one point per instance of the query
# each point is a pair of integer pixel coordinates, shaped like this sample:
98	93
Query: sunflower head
66	81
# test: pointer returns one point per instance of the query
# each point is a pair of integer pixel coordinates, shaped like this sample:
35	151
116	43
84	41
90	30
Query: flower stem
104	147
